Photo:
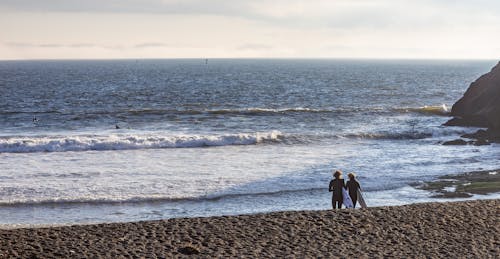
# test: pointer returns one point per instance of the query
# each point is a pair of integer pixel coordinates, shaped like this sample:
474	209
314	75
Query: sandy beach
468	229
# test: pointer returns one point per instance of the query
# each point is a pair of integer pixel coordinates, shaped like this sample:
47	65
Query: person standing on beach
353	186
335	188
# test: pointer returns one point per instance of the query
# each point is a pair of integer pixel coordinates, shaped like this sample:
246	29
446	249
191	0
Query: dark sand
430	230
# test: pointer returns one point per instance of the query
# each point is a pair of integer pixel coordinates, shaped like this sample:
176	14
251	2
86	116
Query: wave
32	144
87	200
441	110
238	111
146	199
431	132
391	135
128	142
29	112
263	111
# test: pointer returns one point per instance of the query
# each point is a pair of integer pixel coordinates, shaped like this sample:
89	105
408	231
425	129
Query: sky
114	29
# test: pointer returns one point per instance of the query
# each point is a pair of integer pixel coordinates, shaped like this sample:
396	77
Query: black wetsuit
353	187
335	187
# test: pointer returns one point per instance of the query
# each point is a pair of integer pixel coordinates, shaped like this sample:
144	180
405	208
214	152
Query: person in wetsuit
335	188
353	186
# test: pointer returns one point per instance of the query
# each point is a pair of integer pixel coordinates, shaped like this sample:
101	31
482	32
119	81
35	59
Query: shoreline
57	215
450	229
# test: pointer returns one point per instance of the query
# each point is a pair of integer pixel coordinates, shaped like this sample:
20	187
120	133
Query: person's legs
339	203
354	199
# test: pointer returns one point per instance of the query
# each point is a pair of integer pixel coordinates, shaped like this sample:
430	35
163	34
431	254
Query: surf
439	110
130	141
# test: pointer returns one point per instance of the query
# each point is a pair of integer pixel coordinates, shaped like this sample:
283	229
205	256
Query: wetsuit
353	187
335	187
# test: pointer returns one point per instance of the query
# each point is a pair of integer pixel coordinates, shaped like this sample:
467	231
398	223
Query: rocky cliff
480	105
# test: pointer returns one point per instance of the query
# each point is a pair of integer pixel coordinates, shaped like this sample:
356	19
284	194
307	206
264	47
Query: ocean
130	140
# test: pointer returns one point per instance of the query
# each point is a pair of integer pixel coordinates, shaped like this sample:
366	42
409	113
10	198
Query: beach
468	229
189	129
158	139
171	158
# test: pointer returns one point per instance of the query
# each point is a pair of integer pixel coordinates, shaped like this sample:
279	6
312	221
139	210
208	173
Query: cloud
50	45
249	46
125	6
31	45
82	45
153	45
55	45
292	13
173	28
19	45
252	46
92	45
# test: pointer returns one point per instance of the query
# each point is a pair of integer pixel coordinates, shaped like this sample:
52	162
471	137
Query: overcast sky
55	29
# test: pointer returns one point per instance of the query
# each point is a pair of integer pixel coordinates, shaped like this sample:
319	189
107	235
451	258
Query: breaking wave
441	110
153	141
127	142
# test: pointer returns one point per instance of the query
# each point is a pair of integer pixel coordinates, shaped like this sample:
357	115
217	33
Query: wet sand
468	229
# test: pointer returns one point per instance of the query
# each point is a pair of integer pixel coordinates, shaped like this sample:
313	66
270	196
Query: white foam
127	142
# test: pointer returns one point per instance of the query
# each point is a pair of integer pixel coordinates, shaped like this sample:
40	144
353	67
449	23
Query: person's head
351	176
337	174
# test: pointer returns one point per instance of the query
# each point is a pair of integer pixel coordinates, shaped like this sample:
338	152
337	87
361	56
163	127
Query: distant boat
206	61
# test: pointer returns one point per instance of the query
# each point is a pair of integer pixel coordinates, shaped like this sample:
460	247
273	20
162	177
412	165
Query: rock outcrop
480	105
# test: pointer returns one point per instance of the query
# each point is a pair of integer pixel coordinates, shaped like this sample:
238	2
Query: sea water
128	140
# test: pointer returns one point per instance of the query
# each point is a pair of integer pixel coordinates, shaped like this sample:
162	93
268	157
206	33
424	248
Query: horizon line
256	58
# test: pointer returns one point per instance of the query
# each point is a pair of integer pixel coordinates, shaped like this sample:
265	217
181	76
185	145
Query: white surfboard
361	200
347	199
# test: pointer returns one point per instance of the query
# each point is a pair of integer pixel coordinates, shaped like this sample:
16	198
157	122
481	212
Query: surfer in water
353	186
336	186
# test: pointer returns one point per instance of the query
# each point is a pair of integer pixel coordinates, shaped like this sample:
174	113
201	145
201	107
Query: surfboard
361	200
347	199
